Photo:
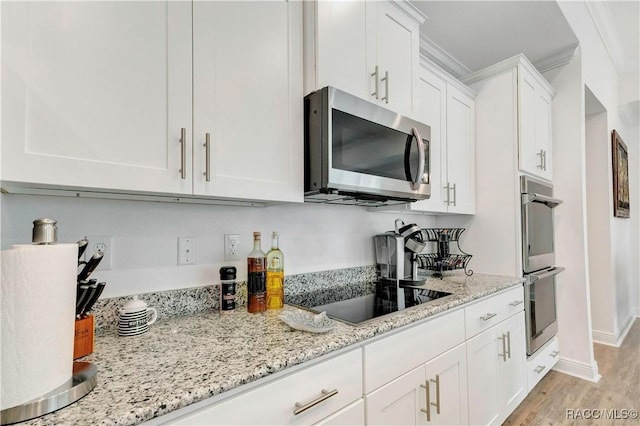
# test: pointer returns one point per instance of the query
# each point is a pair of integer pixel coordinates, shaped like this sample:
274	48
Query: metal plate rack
444	260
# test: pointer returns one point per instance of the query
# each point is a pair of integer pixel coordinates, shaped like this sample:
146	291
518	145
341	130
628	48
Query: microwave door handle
415	184
539	198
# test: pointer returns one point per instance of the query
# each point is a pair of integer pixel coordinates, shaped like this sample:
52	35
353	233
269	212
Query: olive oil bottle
275	275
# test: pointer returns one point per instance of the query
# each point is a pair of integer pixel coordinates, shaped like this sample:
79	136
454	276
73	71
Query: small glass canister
227	289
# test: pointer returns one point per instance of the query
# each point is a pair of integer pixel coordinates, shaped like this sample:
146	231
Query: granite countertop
190	358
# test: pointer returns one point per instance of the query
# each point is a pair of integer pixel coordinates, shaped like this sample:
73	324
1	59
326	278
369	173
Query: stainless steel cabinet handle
541	154
554	354
504	348
304	407
207	155
375	75
437	403
509	344
447	189
516	303
487	317
386	87
544	160
428	410
540	369
183	152
454	194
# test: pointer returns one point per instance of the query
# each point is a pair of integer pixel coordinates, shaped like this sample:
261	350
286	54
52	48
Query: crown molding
557	60
410	10
603	21
442	58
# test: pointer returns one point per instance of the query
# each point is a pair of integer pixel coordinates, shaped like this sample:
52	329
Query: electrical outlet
102	244
232	247
186	251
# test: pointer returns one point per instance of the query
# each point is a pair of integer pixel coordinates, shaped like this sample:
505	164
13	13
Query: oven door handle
535	276
539	198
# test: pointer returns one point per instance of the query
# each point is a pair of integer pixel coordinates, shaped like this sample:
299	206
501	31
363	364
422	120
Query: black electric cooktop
384	298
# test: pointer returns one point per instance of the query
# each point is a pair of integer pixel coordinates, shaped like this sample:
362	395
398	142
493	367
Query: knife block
83	337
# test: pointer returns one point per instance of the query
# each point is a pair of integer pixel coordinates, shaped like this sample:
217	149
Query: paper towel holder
84	379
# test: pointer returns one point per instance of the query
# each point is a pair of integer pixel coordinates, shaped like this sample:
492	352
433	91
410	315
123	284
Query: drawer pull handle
509	345
554	354
304	407
515	303
540	369
428	410
487	317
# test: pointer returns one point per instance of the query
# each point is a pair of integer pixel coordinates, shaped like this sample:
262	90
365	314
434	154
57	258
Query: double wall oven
538	261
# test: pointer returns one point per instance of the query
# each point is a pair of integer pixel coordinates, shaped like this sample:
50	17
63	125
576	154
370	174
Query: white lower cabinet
434	393
304	397
540	363
496	371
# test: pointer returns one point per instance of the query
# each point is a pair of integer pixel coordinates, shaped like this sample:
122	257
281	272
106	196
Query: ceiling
476	34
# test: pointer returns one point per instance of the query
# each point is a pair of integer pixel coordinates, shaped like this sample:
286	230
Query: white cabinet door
399	402
367	48
340	46
496	371
396	55
534	114
447	381
451	115
512	379
461	176
248	99
483	376
431	110
94	94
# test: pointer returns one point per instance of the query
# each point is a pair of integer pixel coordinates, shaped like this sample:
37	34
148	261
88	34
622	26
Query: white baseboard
636	312
610	339
578	369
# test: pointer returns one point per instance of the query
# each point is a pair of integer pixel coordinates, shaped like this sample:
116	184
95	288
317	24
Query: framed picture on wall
620	176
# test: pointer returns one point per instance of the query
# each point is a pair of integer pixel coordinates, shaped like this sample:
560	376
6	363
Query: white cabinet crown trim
506	65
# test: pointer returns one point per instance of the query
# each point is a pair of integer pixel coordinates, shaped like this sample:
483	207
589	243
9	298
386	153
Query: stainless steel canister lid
45	231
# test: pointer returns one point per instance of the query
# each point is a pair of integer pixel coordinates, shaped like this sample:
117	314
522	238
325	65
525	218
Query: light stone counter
186	359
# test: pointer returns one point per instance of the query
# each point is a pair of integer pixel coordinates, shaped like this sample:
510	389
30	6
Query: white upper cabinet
367	48
529	111
534	116
94	94
247	100
461	178
449	108
120	97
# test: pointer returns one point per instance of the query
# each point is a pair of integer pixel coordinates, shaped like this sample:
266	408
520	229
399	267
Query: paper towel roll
38	310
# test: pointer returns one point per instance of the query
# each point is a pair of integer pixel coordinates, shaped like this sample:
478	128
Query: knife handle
90	266
82	246
94	298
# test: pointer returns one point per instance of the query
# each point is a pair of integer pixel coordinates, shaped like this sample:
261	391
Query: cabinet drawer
541	363
392	356
487	313
275	401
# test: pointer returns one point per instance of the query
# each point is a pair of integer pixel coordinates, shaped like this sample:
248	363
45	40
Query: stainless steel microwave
357	152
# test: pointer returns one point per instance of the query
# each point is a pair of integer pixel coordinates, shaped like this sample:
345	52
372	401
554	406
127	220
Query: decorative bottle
256	277
275	275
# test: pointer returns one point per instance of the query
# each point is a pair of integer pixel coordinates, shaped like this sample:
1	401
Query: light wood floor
619	388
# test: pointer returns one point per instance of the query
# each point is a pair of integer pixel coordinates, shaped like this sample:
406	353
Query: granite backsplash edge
194	300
